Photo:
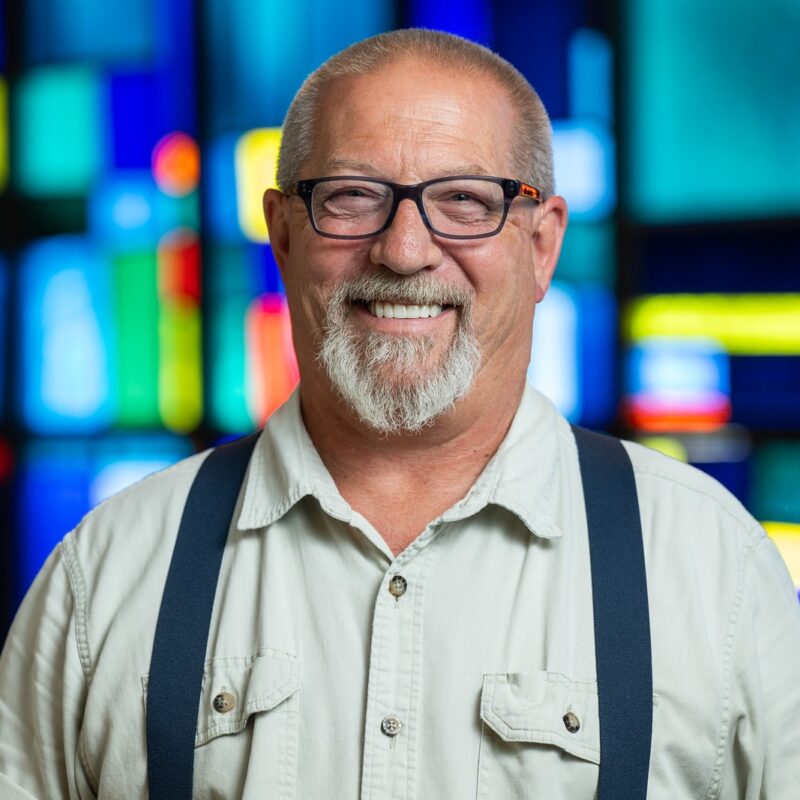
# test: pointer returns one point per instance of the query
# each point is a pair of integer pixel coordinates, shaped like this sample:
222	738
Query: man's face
407	123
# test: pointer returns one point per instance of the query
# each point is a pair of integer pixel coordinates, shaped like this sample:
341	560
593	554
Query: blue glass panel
127	211
584	160
766	391
535	38
220	179
471	19
264	51
598	341
74	476
590	76
65	30
135	124
65	300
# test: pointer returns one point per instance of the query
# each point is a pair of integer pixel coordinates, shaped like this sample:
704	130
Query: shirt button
224	702
391	725
571	722
398	586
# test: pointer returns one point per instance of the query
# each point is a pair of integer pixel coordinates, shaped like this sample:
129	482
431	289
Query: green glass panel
775	496
180	378
137	311
58	125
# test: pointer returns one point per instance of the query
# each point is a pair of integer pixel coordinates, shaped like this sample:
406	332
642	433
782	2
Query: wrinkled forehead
414	119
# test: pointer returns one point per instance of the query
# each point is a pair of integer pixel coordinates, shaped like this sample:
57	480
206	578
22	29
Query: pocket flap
532	706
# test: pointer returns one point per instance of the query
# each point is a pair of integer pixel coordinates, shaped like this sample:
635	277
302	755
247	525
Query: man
404	606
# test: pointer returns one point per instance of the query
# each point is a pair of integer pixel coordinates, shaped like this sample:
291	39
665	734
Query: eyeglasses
459	207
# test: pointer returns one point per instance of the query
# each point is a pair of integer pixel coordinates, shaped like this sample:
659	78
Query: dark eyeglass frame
404	191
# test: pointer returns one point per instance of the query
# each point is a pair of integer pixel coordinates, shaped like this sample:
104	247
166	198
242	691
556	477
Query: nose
406	246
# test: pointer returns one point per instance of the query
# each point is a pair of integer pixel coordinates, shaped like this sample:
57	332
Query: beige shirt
479	659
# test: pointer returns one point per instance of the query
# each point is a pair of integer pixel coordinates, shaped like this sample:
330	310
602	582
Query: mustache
417	289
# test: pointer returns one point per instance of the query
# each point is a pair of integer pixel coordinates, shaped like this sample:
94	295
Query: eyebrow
364	168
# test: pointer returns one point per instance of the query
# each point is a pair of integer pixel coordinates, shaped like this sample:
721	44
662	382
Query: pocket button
391	725
224	702
571	722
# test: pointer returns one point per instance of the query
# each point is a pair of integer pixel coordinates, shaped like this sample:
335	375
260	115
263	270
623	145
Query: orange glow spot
271	364
176	164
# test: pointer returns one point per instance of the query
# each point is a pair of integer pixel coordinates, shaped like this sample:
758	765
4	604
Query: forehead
412	120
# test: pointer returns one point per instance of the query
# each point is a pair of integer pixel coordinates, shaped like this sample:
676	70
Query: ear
276	213
547	241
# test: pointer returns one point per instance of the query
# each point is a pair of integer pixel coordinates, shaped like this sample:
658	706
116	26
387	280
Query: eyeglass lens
457	207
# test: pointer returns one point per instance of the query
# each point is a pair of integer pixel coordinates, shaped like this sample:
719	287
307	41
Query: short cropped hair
532	150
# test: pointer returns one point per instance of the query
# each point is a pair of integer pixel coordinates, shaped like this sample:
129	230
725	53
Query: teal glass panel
588	254
713	118
774	488
59	131
263	51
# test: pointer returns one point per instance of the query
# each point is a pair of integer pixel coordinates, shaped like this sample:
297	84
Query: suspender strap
621	616
179	646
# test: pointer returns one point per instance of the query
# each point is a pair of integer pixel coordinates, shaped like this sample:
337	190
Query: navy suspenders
179	646
619	592
621	616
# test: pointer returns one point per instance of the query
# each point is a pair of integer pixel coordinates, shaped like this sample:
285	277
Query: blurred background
141	314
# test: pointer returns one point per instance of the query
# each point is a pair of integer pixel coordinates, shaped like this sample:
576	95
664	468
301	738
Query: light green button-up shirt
316	655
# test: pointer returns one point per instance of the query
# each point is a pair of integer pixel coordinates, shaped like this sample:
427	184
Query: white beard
415	393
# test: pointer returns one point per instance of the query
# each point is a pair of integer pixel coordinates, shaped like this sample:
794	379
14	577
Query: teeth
401	311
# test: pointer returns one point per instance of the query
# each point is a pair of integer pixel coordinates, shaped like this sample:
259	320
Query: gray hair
532	151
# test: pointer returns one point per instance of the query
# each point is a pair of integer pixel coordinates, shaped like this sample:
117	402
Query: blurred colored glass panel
3	133
59	123
787	539
583	156
743	324
65	297
136	313
263	51
67	30
176	164
271	365
73	476
135	121
677	385
588	254
697	108
221	193
180	363
471	19
590	76
775	495
228	391
256	163
554	368
4	328
574	364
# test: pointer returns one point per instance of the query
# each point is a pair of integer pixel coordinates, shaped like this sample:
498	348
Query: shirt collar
522	476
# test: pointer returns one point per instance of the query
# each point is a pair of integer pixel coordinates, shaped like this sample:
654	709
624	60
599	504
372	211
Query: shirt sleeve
764	759
42	693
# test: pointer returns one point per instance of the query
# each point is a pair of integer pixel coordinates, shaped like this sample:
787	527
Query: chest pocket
247	726
540	737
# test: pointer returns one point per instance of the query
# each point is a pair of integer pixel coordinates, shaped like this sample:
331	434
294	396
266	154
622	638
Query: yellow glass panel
786	536
743	324
666	445
180	387
256	160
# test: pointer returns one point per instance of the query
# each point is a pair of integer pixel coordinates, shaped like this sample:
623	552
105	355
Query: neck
400	482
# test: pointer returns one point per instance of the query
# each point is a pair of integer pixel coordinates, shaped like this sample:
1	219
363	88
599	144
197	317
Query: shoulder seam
742	523
715	784
78	585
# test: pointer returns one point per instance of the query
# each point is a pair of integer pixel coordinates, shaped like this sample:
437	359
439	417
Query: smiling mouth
390	310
